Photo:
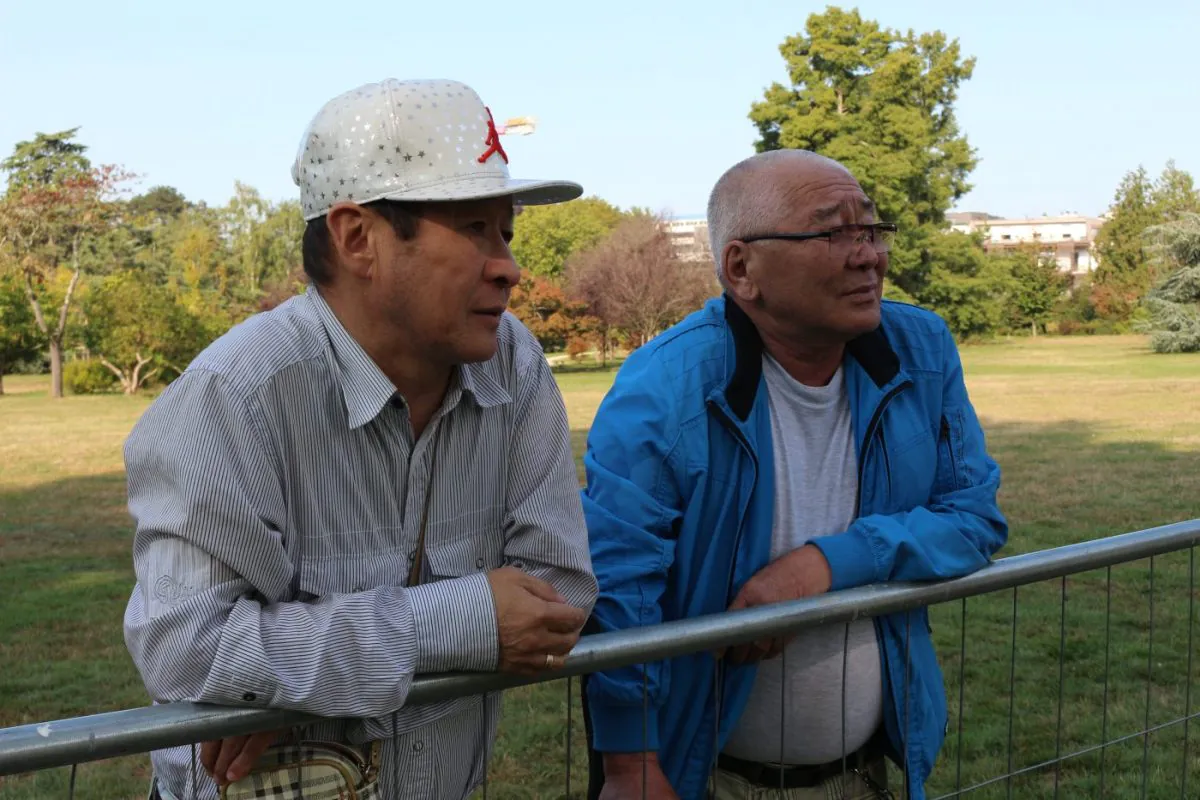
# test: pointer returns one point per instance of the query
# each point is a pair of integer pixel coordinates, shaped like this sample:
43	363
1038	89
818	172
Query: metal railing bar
1107	643
1012	689
1062	653
962	682
57	743
1149	688
570	701
1187	708
1050	762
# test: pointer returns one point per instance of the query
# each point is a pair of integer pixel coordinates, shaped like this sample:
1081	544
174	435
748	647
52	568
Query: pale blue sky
644	103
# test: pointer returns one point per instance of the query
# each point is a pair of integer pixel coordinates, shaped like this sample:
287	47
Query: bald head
753	194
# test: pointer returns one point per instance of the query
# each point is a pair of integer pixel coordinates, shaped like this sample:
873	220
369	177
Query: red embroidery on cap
492	140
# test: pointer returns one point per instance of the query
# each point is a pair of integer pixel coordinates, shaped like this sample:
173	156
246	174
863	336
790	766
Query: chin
864	320
477	350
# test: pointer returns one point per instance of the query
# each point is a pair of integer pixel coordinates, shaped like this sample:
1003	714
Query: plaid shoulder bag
310	771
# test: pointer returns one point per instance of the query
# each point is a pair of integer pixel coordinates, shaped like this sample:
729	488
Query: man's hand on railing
228	760
536	624
804	572
623	773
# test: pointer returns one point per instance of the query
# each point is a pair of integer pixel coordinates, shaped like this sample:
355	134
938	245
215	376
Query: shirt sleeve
213	616
545	532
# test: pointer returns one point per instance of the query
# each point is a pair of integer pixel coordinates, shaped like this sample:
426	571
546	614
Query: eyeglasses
843	237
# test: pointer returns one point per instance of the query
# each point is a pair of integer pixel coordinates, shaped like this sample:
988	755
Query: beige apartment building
1071	238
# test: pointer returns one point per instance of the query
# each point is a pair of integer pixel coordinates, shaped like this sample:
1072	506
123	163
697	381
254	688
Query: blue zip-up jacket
680	503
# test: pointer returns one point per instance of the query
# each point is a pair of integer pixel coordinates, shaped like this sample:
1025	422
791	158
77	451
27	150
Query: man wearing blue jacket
795	436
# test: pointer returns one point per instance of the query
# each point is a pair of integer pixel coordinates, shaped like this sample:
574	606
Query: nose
863	256
502	268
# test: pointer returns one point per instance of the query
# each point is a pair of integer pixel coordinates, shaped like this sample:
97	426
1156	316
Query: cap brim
527	192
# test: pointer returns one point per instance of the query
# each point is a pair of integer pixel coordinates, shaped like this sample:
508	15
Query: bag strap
414	574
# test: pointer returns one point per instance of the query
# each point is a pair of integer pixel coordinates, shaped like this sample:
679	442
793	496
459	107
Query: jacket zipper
887	460
866	443
718	672
945	437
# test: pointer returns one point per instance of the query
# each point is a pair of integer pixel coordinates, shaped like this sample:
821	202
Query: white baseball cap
415	140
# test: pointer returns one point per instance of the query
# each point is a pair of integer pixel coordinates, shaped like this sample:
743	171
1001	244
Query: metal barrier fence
70	742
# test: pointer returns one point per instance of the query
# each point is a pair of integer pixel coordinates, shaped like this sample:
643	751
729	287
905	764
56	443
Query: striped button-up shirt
278	495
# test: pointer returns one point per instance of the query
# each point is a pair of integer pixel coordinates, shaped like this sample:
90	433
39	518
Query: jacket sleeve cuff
623	729
456	625
851	561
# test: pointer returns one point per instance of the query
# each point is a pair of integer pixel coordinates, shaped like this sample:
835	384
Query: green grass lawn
1095	435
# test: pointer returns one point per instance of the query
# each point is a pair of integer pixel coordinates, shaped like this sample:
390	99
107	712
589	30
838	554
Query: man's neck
812	364
421	382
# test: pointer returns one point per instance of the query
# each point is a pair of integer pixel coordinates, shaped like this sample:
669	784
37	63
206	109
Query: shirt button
418	746
412	556
249	697
357	589
479	563
519	564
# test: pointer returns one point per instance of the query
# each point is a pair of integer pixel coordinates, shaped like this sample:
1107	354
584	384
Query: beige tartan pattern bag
310	771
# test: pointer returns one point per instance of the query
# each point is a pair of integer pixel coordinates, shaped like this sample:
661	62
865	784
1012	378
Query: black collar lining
871	350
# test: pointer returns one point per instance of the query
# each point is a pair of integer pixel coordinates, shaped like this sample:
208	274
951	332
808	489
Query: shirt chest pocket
346	574
463	543
465	555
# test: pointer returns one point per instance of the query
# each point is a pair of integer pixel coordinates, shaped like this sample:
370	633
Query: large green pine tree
1174	303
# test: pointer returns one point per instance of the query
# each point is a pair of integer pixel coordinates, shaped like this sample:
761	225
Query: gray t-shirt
816	482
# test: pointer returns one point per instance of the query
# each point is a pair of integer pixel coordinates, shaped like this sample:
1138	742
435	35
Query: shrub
88	376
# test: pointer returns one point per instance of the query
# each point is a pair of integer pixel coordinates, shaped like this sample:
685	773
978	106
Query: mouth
491	313
870	290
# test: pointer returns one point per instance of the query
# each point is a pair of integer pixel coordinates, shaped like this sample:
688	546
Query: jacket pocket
948	471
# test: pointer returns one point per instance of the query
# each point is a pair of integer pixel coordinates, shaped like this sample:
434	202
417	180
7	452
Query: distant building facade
1070	238
689	238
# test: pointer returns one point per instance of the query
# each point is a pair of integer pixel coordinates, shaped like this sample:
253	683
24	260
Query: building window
1066	236
1005	236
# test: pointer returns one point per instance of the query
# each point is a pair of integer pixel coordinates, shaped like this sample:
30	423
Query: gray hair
743	199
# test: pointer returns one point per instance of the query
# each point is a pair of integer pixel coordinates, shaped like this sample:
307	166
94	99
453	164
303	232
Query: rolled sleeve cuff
456	625
851	561
623	729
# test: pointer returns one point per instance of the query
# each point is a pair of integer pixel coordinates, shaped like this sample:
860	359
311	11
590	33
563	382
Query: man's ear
351	233
737	261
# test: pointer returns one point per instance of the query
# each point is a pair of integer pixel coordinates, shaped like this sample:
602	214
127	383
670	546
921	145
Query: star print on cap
416	140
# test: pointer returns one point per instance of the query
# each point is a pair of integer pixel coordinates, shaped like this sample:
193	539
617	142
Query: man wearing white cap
372	481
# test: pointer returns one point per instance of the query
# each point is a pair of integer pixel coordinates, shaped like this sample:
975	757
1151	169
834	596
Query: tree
1174	193
48	228
549	314
632	281
49	159
264	240
138	330
159	205
1122	276
881	103
1126	270
18	336
966	286
1174	304
1036	287
545	237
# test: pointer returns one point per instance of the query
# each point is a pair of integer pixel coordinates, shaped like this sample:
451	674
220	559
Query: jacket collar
871	350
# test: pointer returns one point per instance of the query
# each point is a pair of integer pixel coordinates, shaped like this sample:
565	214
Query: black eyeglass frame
876	229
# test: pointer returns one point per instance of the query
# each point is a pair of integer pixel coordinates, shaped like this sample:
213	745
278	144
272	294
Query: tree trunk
1	378
1033	327
56	367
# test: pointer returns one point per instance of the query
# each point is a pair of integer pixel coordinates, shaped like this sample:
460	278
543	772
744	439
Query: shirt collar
366	390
